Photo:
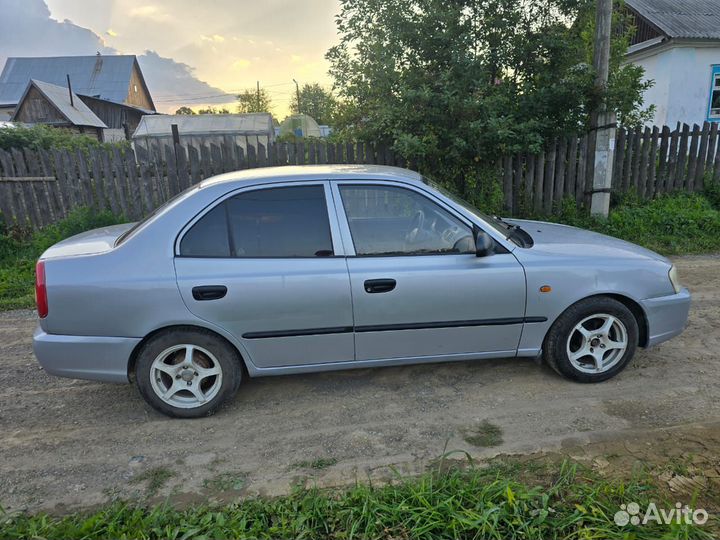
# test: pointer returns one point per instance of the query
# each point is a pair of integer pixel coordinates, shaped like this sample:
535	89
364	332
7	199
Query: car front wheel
187	373
593	340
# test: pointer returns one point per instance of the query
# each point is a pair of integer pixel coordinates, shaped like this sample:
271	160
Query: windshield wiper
510	226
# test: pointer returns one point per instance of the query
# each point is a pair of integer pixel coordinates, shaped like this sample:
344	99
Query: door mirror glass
484	244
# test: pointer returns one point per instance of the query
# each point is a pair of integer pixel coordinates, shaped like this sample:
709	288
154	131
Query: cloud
27	29
173	83
154	13
216	38
241	63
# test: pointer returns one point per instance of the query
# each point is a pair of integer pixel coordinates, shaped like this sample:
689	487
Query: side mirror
484	244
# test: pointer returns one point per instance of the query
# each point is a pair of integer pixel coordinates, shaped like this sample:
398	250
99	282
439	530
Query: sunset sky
191	51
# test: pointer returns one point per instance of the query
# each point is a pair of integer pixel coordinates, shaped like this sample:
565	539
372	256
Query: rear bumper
667	316
95	358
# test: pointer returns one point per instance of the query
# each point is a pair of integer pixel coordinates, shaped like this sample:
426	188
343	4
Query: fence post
604	160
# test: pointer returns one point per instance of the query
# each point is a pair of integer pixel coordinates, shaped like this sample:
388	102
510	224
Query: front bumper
96	358
667	316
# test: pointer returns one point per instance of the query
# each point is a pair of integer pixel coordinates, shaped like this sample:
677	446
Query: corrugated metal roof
690	19
158	125
77	114
107	77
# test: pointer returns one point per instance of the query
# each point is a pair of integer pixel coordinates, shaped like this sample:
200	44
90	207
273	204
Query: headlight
673	275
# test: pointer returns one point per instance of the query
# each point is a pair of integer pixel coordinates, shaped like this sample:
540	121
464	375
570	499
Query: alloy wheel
597	343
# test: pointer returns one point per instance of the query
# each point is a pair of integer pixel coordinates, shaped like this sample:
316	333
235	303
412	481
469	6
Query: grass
484	435
556	501
154	479
317	464
226	482
675	224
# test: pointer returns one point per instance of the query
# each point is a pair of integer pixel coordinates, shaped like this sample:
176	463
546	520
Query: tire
592	354
193	388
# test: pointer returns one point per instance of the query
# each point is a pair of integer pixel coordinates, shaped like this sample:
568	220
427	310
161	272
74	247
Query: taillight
41	290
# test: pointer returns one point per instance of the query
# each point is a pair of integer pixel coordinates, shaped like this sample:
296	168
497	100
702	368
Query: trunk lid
88	242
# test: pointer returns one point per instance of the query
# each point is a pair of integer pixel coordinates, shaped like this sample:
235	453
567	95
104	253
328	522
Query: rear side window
275	222
208	237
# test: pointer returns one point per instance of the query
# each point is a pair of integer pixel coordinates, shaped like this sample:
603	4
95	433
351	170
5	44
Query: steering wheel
415	228
418	220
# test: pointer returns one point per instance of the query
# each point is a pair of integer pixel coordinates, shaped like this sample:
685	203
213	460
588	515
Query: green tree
453	84
252	100
212	110
185	110
315	101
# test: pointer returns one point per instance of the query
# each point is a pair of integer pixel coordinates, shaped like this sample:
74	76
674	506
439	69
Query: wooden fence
648	161
41	187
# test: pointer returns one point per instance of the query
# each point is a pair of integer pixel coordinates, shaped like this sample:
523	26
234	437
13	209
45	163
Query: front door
262	265
418	289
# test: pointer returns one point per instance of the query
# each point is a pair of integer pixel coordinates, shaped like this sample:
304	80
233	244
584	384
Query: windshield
495	222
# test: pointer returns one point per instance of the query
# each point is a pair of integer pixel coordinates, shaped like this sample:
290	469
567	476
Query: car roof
298	173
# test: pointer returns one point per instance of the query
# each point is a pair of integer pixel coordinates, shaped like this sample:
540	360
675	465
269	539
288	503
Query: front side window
274	222
715	95
388	220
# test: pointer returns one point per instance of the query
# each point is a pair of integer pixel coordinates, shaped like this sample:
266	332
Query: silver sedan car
299	269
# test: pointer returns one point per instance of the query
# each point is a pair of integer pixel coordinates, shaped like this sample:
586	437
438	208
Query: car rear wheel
593	340
188	372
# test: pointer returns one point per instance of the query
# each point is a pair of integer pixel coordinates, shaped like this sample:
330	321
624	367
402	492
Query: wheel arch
639	314
132	361
634	307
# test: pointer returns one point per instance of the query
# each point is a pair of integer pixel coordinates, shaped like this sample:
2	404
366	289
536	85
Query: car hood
558	239
87	243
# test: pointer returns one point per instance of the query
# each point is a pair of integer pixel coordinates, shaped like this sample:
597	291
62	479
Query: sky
192	52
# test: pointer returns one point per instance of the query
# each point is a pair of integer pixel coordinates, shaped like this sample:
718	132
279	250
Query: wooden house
112	86
49	104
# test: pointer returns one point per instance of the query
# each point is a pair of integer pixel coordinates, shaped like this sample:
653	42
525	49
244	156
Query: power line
164	98
231	91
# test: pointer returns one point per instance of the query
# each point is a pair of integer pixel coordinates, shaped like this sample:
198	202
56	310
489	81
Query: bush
41	136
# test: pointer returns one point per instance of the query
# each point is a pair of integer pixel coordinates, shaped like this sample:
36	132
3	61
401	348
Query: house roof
77	114
106	77
689	19
206	124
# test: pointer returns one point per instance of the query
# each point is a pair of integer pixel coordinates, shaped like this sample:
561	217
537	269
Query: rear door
266	264
418	288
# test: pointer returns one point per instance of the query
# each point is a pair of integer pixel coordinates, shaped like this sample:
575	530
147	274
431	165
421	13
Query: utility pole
258	96
602	122
297	90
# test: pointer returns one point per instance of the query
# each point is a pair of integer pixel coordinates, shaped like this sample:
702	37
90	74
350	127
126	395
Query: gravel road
67	444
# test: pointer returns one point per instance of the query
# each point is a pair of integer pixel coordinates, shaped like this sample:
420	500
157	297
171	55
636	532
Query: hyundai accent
285	270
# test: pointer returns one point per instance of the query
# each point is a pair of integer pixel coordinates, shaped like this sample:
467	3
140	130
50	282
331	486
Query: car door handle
379	285
209	292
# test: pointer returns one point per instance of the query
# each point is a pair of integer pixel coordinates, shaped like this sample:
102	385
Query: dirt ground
66	444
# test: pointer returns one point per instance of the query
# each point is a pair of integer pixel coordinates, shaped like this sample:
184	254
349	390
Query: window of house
714	113
387	221
274	222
